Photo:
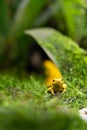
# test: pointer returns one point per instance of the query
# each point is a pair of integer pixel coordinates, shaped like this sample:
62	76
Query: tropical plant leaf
73	12
65	53
4	19
53	9
26	15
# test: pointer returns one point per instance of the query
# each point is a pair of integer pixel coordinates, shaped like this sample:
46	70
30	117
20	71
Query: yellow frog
54	79
57	86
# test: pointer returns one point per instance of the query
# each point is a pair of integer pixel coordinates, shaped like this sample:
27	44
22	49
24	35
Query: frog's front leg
51	90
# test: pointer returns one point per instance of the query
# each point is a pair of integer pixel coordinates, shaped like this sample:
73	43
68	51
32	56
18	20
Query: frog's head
59	85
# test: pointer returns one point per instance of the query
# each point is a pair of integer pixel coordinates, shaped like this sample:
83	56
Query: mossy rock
65	53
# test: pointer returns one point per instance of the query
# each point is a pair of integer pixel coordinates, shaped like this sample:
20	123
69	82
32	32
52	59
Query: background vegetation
24	101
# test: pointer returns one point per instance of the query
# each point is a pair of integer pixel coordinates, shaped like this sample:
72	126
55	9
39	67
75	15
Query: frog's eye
53	80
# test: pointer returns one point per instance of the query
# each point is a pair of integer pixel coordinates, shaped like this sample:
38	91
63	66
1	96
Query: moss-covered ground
25	104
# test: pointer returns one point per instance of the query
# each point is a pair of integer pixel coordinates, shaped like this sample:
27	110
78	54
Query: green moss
25	104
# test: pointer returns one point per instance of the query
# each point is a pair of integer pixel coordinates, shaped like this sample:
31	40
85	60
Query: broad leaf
65	53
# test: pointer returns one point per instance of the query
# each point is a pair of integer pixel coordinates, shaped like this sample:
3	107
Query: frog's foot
64	87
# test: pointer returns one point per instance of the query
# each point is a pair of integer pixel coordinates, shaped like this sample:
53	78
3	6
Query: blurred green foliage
67	16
